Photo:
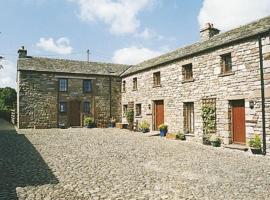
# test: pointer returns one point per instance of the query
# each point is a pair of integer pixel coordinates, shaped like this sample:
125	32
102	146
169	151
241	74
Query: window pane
86	107
87	86
138	109
63	85
63	107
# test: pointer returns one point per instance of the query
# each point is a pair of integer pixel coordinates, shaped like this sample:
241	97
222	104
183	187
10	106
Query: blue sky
120	31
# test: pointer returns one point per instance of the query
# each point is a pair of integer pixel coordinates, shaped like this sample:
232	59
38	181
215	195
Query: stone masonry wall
243	83
39	99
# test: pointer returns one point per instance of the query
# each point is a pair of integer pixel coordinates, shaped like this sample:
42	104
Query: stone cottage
54	91
224	76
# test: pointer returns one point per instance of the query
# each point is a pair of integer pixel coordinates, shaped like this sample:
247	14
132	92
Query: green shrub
88	121
163	127
215	138
255	142
130	116
144	126
180	136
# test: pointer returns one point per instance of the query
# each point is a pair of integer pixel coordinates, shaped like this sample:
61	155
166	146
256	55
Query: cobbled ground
80	163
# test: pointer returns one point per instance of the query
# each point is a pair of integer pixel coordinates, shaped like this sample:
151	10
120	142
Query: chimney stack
208	31
22	52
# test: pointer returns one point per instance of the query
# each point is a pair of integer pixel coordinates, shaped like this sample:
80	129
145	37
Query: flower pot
90	126
206	141
112	125
215	144
163	133
145	130
256	151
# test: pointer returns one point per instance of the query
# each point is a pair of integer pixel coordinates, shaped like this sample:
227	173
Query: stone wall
38	98
242	83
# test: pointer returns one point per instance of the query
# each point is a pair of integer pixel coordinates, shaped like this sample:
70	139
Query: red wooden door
159	113
74	113
238	122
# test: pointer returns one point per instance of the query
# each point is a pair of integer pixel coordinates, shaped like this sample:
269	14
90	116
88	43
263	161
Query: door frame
154	117
232	102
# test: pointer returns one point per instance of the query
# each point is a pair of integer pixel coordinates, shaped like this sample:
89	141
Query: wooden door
159	113
74	113
238	122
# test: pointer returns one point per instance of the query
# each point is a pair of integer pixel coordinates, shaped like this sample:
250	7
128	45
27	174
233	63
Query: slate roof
69	66
242	32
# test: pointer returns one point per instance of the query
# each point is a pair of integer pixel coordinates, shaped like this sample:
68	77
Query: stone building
225	75
219	74
54	91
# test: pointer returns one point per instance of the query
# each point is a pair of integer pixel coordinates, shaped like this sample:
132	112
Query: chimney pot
22	52
208	31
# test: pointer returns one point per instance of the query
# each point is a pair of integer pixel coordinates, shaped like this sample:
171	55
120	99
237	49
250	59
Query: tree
8	97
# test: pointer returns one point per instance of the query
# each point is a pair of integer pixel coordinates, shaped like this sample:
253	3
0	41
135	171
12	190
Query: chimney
208	31
22	52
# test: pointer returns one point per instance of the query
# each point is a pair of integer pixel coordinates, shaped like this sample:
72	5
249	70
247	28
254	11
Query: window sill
190	135
123	91
135	90
226	74
139	116
188	80
156	86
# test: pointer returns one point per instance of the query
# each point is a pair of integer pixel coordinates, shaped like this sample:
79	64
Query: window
188	112
87	86
226	63
134	83
156	78
125	107
124	86
63	85
86	107
63	107
187	72
138	110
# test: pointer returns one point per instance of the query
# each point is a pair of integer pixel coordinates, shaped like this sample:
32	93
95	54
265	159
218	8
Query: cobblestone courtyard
117	164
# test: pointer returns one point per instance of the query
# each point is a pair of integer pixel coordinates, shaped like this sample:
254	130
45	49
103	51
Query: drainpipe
262	94
110	88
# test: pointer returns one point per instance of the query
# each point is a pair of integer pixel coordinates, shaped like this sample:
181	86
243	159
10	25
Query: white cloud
134	55
8	74
60	46
120	15
231	13
149	34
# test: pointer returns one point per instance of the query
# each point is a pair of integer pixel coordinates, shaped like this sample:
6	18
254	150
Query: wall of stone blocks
243	83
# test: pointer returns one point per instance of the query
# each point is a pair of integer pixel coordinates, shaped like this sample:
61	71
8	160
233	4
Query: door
238	122
74	113
159	113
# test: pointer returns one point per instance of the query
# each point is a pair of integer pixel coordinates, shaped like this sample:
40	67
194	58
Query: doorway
158	113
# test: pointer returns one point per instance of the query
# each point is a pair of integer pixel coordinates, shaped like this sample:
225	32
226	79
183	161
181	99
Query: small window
86	107
63	107
226	63
124	86
63	85
138	109
156	79
188	112
134	83
87	86
187	72
125	107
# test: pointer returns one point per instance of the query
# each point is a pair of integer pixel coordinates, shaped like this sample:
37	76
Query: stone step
237	147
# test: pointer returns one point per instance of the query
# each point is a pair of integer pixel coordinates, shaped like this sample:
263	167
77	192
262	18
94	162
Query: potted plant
255	144
180	136
144	126
163	129
112	122
89	122
206	139
130	118
215	140
62	125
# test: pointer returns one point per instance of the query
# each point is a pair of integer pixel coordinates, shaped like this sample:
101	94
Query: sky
117	31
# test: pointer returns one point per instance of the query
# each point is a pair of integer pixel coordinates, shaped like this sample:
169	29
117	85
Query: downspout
110	88
262	95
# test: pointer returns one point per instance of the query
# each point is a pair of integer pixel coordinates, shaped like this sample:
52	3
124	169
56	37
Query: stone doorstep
236	146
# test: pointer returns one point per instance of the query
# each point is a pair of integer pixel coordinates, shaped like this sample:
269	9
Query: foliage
130	116
215	138
255	142
163	127
112	120
206	139
209	119
144	126
180	136
88	121
8	98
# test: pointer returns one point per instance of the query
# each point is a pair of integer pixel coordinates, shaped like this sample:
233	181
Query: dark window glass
87	85
187	72
63	85
188	118
134	83
124	86
63	107
226	63
125	107
86	107
156	78
138	109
